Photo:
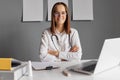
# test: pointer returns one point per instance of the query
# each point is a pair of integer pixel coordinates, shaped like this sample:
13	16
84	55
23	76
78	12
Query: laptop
109	58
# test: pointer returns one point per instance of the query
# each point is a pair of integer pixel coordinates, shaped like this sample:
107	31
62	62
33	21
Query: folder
5	63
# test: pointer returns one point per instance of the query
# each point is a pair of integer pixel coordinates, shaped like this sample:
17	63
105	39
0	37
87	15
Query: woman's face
60	15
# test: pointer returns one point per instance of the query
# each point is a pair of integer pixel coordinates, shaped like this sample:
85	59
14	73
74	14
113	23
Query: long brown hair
67	22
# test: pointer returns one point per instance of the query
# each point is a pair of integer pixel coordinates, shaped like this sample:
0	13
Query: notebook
44	65
109	58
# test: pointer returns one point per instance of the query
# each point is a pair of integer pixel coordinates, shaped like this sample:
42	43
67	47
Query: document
44	65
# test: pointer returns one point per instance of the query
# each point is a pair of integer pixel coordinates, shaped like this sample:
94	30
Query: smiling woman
60	42
60	16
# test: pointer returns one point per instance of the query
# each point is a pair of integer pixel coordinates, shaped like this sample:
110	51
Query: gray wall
21	40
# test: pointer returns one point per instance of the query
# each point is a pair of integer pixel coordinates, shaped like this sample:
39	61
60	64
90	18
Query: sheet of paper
32	10
43	65
82	9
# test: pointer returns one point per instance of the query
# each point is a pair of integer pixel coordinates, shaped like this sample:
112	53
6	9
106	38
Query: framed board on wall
32	10
82	9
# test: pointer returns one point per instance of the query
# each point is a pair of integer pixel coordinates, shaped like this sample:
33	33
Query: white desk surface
56	74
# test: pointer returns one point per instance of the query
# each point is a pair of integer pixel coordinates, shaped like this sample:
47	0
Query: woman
60	42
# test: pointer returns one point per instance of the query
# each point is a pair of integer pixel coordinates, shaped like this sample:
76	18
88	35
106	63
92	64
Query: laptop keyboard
89	67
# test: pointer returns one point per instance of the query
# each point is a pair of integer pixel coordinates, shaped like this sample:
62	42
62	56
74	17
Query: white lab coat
63	45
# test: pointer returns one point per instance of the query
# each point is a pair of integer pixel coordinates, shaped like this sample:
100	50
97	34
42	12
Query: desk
56	74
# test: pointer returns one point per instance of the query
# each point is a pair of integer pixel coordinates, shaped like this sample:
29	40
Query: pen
51	67
66	73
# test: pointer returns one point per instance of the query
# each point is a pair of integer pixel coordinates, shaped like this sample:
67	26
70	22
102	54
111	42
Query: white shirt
61	42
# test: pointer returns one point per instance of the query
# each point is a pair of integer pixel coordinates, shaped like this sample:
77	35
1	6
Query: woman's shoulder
47	31
73	30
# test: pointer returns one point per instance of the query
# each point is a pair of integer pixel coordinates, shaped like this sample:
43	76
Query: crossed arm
56	53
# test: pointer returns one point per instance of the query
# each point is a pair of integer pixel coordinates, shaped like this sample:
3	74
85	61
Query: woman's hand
52	52
74	49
